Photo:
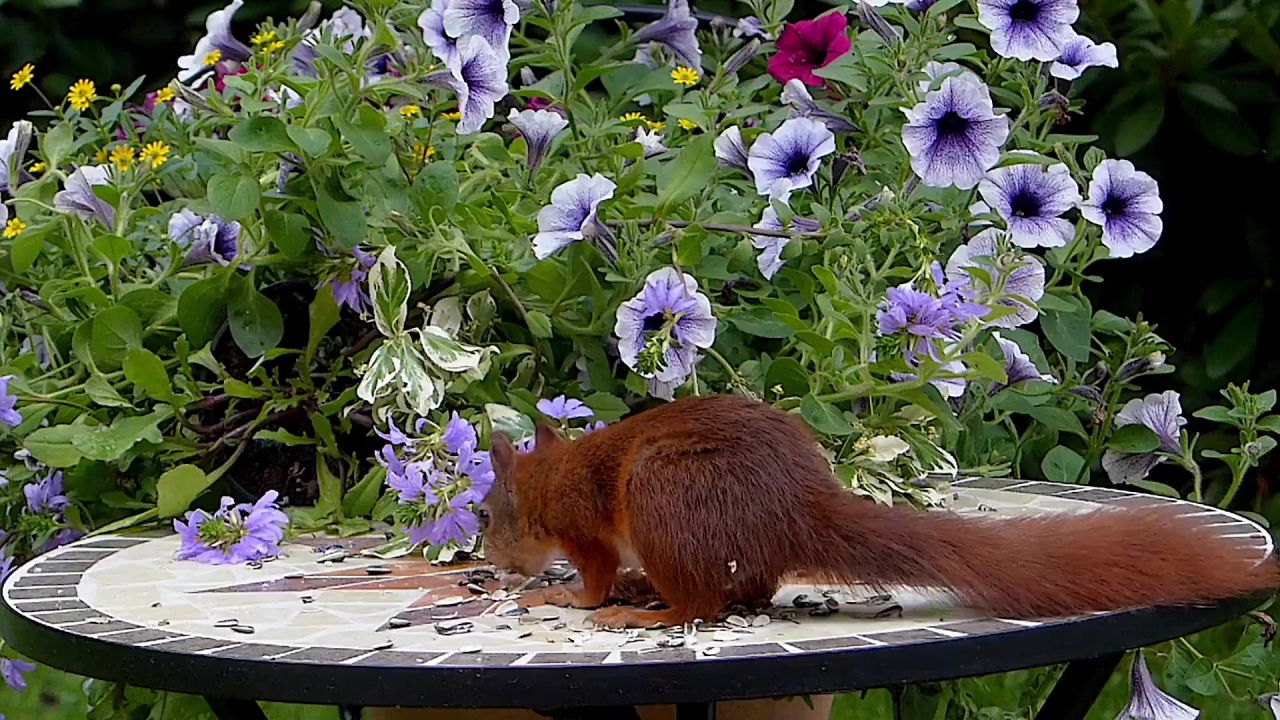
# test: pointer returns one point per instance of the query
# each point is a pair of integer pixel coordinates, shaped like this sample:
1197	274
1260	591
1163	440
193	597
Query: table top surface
365	631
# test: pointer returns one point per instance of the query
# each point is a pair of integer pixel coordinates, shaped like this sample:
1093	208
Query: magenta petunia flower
806	45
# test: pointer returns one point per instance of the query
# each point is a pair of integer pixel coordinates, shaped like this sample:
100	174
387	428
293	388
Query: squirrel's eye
483	515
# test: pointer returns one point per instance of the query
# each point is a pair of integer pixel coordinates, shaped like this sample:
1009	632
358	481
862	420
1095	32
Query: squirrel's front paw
563	596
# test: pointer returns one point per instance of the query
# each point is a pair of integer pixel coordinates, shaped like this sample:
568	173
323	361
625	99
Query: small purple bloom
234	533
1148	702
488	19
661	328
920	5
676	30
393	435
563	408
788	158
797	97
1016	280
347	290
651	142
65	536
594	426
458	434
1031	198
217	37
78	197
12	150
431	22
730	151
13	672
1028	29
457	524
751	27
478	77
6	567
414	484
954	135
926	319
476	466
770	258
208	239
45	496
1079	54
1162	413
9	414
1018	367
1126	203
539	128
572	217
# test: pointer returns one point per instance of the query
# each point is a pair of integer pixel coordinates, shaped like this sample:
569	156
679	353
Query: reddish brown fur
720	497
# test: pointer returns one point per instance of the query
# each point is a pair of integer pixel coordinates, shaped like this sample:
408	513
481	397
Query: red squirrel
718	498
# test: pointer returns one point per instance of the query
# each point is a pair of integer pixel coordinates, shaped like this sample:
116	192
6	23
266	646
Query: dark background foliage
1194	103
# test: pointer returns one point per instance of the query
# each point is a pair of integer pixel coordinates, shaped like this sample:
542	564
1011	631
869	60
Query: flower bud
739	59
1088	393
872	19
1140	366
1097	375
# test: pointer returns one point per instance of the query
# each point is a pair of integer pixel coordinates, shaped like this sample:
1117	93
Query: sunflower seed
399	622
891	611
294	576
509	608
333	556
468	649
451	600
384	645
476	589
803	601
712	650
454	627
307	599
229	622
523	635
761	620
377	570
670	641
737	621
821	611
723	636
243	629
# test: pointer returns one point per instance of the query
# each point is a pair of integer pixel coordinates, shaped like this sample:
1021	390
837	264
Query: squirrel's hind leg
625	616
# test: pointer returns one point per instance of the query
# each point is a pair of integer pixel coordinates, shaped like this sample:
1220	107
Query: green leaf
1058	419
986	366
57	143
284	437
1216	413
262	134
102	393
608	408
1156	488
289	232
539	323
1062	464
241	389
1138	126
790	374
27	246
255	321
389	290
1135	438
688	174
324	315
824	417
201	309
342	215
1069	332
234	196
330	500
359	500
110	442
312	141
367	134
113	248
435	187
116	330
53	445
760	322
145	370
1202	677
1270	423
178	487
509	421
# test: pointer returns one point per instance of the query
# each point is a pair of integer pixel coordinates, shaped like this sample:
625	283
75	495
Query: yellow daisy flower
656	125
263	37
422	153
165	94
14	228
213	58
122	157
410	111
685	76
632	117
156	153
82	94
455	115
687	124
38	167
100	156
276	46
24	75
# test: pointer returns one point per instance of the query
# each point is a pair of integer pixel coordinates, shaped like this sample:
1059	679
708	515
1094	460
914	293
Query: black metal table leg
1078	688
225	709
350	712
696	711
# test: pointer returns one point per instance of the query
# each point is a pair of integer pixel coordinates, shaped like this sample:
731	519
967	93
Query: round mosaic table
323	625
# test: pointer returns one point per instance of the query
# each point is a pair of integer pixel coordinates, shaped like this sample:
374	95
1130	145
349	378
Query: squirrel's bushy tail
1043	566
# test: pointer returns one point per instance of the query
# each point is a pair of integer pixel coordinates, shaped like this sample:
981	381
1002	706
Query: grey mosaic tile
481	659
902	637
33	593
40	580
117	543
981	627
89	628
834	643
658	655
568	658
252	651
63	617
137	637
751	650
58	566
193	645
339	655
82	555
47	605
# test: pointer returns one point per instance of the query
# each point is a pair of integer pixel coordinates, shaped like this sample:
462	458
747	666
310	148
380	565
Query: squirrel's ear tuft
546	435
503	453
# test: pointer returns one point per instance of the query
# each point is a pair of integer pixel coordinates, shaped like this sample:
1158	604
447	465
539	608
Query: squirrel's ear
546	435
503	453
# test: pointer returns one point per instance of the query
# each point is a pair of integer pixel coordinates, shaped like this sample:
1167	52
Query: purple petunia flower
208	239
797	97
217	37
572	217
539	128
650	142
927	319
920	5
394	435
12	150
234	533
13	672
1079	54
78	197
770	257
730	151
751	27
788	158
676	30
1162	413
1018	367
458	434
1028	29
488	19
935	72
1031	198
431	22
1148	702
45	496
477	75
349	292
1126	203
954	135
9	414
661	328
1014	281
563	408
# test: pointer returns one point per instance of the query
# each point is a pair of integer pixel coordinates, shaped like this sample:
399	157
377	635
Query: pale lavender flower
572	217
45	496
1271	701
770	258
797	97
458	434
935	72
488	19
564	408
1016	279
457	524
920	5
13	672
1126	203
1079	54
431	22
661	329
217	37
1032	198
539	128
65	536
478	76
6	567
1162	414
394	435
234	533
926	320
414	483
676	30
751	27
347	288
12	150
78	197
1149	702
788	158
1018	367
651	142
954	135
1028	29
207	239
730	150
9	414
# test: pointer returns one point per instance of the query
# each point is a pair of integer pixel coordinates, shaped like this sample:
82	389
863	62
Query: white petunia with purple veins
431	22
1079	54
935	72
1018	367
788	158
796	96
539	128
954	136
1148	702
1016	279
207	239
661	329
13	148
1029	29
478	77
770	258
489	19
1031	198
1126	202
677	31
572	217
218	37
1162	414
78	196
730	150
651	142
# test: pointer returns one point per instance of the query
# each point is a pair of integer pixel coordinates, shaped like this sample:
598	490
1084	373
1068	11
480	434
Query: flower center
1024	11
1113	206
797	164
1025	205
222	533
952	124
654	322
659	339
